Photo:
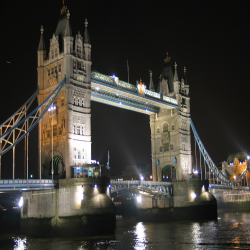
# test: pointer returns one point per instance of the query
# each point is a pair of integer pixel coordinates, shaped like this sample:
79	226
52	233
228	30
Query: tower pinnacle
86	34
41	43
167	60
67	29
64	9
175	72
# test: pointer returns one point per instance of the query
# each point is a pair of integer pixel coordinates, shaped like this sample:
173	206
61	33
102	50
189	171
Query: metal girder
152	187
23	126
212	165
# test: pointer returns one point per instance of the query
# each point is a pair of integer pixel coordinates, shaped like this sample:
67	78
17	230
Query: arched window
78	129
165	127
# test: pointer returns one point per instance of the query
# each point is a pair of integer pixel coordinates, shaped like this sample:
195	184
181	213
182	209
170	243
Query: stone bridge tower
70	121
170	129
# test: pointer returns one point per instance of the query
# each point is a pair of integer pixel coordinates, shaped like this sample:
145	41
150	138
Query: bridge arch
58	166
169	173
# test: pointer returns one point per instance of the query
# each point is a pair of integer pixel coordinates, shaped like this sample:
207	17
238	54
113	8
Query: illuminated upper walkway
112	91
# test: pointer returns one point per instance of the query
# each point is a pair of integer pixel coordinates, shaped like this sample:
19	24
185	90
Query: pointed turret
175	72
87	46
68	28
185	76
151	83
86	34
41	52
41	43
68	39
167	74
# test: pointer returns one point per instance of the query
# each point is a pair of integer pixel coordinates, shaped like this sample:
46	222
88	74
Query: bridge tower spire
71	127
170	130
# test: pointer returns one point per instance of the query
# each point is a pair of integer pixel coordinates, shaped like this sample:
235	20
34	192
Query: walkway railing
30	184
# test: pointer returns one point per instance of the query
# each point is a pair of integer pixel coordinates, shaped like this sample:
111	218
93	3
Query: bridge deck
125	95
24	184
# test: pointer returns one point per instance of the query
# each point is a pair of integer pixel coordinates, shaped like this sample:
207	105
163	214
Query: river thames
230	231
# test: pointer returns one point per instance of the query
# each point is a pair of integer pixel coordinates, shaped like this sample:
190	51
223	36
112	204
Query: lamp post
51	108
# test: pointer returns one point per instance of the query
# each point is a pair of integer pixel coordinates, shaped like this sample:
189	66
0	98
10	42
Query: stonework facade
170	130
70	121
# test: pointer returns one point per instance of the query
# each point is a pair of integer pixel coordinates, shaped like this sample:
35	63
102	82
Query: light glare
20	204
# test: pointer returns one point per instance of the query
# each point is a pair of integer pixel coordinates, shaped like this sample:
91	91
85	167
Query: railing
27	184
220	186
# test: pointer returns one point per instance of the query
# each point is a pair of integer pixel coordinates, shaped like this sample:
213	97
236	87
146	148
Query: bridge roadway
151	187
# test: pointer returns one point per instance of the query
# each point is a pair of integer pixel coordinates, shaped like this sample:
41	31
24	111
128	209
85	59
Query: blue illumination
146	110
113	76
120	103
95	186
109	186
97	88
52	108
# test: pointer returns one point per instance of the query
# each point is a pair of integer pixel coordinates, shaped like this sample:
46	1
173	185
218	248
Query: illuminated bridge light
20	204
117	94
95	186
52	108
113	76
97	88
109	186
146	110
120	103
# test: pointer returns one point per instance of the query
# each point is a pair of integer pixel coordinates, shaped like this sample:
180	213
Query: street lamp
51	108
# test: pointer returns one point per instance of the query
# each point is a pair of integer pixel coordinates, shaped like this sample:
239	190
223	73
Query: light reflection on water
20	243
232	231
140	236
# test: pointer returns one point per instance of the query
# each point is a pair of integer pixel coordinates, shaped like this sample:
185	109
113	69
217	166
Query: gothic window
62	101
60	129
161	149
172	127
78	101
59	68
166	147
48	72
55	102
82	130
83	153
52	71
165	127
79	48
82	102
79	154
158	130
171	147
55	52
52	54
48	134
74	129
54	130
78	129
74	100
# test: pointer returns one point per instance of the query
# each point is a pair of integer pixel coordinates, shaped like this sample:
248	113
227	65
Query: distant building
235	165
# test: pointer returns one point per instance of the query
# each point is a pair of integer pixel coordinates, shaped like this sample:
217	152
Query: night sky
209	38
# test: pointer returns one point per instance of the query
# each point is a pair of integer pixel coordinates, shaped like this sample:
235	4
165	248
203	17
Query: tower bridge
66	87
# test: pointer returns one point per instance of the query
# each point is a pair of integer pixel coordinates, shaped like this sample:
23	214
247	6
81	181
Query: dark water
230	231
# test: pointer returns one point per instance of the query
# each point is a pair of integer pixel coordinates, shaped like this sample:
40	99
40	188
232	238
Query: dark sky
210	38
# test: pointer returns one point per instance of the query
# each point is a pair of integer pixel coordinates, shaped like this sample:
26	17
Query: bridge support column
170	145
